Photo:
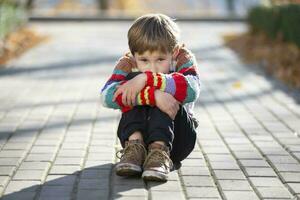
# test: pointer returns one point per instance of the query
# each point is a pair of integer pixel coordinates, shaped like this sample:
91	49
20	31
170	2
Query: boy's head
153	41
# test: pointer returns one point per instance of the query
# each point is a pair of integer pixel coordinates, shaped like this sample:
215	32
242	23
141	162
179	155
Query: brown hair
153	32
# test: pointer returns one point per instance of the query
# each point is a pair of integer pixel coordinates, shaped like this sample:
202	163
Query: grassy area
273	41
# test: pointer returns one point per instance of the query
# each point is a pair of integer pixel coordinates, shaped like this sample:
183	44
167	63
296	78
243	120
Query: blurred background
275	22
178	8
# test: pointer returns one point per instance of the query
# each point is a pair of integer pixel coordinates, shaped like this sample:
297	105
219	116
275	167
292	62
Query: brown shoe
157	164
132	159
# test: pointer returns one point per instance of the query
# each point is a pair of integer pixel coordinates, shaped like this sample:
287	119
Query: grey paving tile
260	172
266	181
235	185
203	192
229	174
39	175
290	176
274	192
93	194
198	181
236	195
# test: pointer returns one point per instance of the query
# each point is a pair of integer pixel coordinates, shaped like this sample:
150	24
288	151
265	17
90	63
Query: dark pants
155	125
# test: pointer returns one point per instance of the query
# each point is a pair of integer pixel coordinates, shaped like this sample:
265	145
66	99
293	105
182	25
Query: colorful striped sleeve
118	77
184	84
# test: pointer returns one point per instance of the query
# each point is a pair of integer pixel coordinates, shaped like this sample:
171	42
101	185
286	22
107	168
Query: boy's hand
166	103
130	89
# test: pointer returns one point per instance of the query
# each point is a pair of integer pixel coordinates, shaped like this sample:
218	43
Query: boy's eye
143	60
161	59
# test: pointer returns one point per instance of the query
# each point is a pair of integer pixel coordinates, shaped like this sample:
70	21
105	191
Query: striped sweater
182	82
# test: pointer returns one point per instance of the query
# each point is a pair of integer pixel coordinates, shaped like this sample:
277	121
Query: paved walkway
57	142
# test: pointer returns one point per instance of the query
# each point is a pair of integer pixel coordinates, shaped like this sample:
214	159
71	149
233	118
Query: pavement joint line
29	149
20	122
256	147
38	191
78	175
229	148
211	171
265	156
184	191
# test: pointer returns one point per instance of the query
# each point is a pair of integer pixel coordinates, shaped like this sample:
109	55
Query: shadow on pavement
93	183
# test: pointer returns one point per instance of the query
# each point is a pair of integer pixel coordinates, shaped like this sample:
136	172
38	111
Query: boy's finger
133	99
124	97
116	94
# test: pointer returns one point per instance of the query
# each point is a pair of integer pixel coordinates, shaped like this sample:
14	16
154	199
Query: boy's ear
175	52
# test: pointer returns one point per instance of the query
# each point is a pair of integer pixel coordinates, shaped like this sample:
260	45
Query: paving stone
19	195
40	157
71	153
94	184
56	191
254	163
64	169
193	162
237	195
220	157
274	192
98	164
287	167
44	149
95	174
35	165
247	155
22	186
30	175
4	180
235	185
10	161
229	174
190	171
215	150
224	165
168	186
198	181
290	176
93	194
282	159
260	172
7	170
128	190
266	181
68	180
203	192
103	156
17	146
156	195
68	161
12	153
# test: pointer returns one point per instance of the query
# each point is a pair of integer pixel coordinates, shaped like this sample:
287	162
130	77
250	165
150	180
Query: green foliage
277	21
12	15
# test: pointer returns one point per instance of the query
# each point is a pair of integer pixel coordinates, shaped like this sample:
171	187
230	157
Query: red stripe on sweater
120	103
152	96
181	87
149	78
117	77
189	69
159	80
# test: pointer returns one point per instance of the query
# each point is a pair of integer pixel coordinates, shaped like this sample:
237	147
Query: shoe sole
127	169
150	175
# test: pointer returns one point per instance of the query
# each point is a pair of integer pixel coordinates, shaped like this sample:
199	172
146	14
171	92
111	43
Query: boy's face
155	61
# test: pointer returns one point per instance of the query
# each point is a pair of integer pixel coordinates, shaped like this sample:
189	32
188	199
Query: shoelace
131	154
156	155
